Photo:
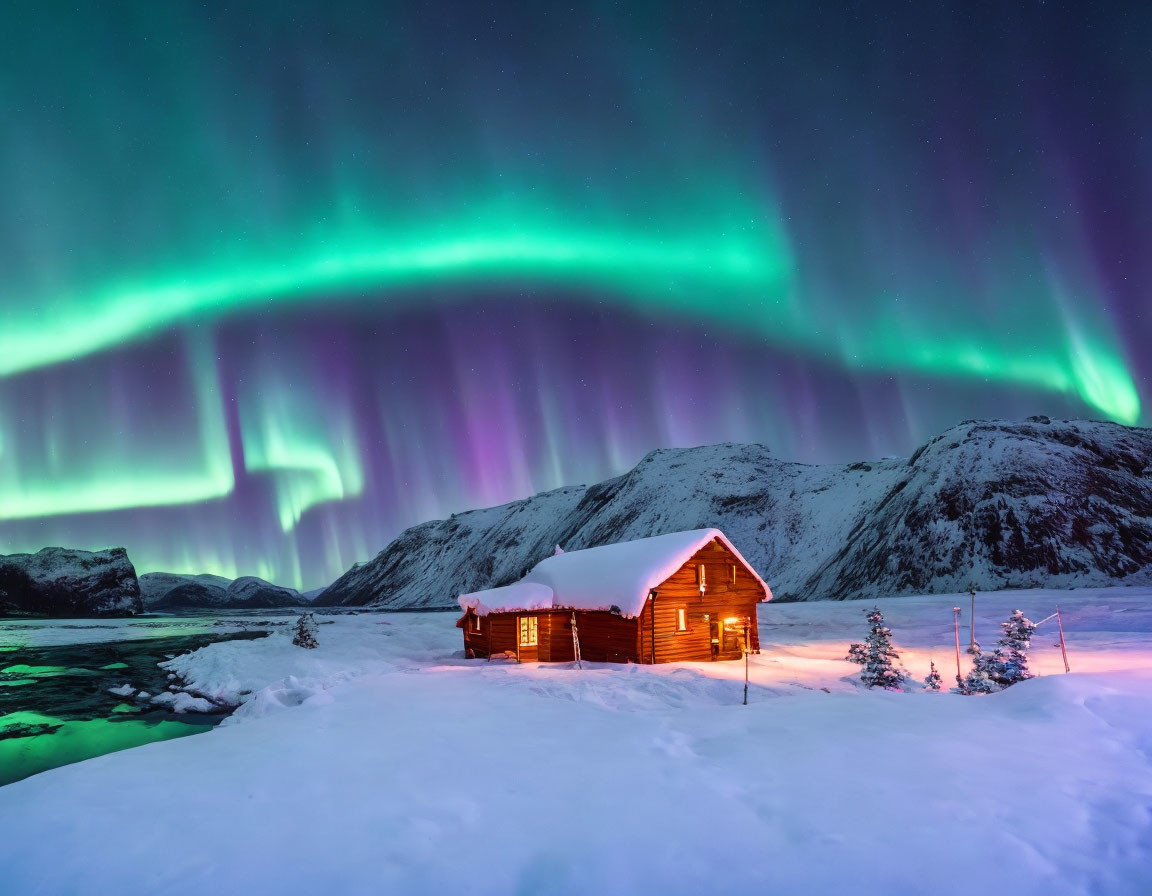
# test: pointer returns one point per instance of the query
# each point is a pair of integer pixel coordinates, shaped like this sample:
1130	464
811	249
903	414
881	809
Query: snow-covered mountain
986	504
250	591
66	582
167	591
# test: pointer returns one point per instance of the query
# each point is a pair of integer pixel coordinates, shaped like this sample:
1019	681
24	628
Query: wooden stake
956	619
972	625
747	650
1063	649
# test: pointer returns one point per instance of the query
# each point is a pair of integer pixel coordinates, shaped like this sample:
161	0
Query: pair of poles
972	634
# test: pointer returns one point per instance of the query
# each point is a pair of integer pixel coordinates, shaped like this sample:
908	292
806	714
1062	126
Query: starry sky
278	280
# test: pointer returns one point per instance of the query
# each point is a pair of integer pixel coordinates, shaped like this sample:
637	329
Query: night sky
278	280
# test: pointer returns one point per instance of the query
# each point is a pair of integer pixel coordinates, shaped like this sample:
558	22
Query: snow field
383	762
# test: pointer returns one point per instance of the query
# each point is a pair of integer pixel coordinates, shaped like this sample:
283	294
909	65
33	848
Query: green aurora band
87	472
745	280
762	201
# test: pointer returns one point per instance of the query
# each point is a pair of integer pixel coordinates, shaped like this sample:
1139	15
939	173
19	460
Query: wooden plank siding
504	634
475	642
730	590
724	596
604	637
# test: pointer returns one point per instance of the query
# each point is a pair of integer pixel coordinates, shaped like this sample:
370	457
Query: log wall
730	590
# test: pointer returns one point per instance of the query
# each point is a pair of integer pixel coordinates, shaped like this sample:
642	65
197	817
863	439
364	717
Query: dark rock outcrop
66	582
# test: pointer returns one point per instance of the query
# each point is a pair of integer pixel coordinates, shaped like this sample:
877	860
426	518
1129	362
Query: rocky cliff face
171	591
995	505
65	582
987	504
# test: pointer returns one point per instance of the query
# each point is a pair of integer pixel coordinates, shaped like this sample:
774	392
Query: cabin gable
686	622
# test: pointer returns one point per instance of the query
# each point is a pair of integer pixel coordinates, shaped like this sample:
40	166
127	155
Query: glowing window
681	620
733	573
528	631
475	623
701	576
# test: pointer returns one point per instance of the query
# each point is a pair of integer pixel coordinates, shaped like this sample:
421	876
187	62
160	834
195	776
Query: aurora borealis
278	282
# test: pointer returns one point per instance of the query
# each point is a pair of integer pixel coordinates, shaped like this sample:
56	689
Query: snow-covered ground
382	762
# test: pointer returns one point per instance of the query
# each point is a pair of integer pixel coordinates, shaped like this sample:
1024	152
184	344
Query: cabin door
732	639
715	633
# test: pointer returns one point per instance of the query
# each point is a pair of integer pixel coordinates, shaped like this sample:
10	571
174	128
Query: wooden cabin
686	596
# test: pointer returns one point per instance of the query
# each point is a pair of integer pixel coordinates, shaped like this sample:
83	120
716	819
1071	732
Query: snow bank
383	762
179	701
235	674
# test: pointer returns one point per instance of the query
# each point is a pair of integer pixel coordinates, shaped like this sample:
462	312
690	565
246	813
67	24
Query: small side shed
683	596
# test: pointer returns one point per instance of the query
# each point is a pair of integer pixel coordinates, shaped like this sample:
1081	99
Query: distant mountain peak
987	504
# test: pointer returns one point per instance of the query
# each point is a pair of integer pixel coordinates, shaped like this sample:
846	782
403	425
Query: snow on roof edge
519	595
587	579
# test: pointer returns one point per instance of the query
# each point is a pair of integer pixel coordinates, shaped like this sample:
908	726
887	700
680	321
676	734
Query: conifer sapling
1011	657
981	678
933	679
879	670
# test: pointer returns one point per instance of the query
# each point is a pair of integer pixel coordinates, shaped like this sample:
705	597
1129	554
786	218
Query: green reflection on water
26	718
17	682
21	669
115	666
73	741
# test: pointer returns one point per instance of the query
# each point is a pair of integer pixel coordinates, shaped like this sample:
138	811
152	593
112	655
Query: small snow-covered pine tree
305	635
879	670
1010	661
981	678
932	681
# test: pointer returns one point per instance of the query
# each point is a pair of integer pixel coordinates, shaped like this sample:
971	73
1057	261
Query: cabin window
476	623
528	631
733	573
681	620
701	577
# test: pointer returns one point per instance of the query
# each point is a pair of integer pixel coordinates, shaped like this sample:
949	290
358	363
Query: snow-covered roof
619	575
